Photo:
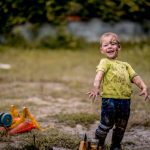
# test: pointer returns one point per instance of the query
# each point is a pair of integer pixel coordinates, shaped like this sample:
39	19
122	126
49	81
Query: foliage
14	12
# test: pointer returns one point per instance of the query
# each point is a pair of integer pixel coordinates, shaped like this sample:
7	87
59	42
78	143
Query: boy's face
110	47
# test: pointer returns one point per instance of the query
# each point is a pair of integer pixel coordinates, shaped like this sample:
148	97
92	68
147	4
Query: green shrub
63	39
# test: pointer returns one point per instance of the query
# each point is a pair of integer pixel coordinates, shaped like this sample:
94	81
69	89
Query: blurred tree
13	12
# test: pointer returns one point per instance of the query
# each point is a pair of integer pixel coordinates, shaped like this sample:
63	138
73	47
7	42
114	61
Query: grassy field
53	83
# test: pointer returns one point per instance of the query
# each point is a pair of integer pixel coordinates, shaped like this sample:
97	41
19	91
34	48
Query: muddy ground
46	99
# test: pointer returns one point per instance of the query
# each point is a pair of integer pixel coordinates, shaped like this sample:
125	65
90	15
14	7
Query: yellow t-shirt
117	78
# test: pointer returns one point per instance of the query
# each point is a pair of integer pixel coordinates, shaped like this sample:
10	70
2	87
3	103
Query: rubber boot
117	137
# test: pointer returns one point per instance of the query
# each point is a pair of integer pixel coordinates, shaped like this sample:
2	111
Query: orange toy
21	123
22	127
17	118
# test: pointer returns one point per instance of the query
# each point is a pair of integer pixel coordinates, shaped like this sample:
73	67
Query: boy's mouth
110	52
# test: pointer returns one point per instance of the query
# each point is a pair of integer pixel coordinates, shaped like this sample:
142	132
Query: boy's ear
101	50
119	46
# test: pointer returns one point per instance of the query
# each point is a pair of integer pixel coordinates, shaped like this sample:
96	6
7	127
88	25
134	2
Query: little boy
113	82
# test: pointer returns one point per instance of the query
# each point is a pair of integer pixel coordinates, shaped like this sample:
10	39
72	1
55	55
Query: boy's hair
110	34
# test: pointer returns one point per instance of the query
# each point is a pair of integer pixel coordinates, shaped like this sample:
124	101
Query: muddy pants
114	113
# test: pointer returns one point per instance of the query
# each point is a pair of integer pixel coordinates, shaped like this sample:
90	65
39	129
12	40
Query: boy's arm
140	83
97	82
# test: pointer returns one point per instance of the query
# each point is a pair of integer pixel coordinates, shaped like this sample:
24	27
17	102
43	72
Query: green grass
73	119
46	65
64	65
41	140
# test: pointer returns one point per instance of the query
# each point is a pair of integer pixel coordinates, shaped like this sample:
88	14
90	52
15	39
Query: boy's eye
113	43
105	45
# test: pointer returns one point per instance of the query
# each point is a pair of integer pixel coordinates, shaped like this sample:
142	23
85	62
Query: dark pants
114	113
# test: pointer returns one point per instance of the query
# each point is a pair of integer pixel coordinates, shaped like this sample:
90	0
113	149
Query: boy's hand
93	93
145	93
140	83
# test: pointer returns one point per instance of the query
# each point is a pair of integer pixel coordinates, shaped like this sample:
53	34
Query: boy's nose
109	45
